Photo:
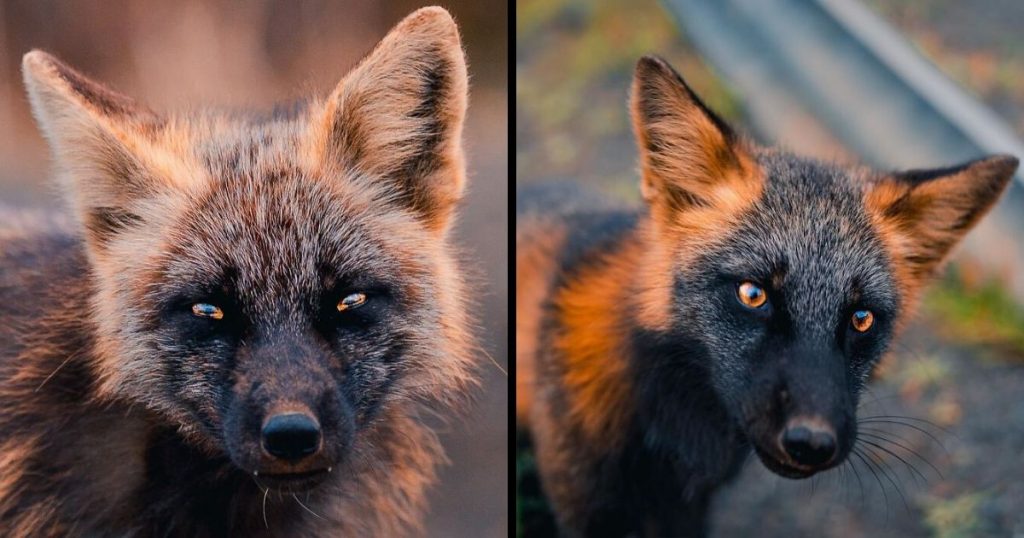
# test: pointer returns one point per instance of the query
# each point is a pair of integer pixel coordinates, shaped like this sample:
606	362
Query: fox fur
122	413
642	381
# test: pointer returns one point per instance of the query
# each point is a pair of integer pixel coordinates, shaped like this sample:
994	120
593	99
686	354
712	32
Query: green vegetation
530	503
956	517
978	311
574	64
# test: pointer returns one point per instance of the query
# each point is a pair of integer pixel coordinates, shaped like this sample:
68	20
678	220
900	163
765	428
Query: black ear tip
650	61
999	168
651	64
1004	163
652	69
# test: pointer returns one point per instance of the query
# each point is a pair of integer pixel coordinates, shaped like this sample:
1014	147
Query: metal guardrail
842	64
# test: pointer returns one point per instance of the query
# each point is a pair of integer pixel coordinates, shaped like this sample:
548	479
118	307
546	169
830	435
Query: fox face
274	284
789	277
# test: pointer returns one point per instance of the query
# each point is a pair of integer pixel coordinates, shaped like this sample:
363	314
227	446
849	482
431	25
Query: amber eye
351	301
751	295
206	310
862	320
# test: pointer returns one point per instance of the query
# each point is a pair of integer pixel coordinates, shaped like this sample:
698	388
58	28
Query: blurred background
175	54
894	83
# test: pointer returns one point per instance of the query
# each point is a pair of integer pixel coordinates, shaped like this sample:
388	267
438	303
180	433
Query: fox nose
291	436
809	443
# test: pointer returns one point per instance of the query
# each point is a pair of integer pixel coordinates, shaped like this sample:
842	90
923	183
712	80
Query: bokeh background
955	380
174	54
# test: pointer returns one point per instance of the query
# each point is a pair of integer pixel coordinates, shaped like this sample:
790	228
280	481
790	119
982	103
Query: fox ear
397	117
689	157
924	213
94	134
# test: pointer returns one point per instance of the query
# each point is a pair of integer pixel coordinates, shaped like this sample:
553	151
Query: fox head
274	285
789	275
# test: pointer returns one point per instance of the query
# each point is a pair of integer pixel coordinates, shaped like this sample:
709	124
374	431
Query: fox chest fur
237	328
742	309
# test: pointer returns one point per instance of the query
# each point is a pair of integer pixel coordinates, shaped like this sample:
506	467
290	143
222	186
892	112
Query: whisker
913	419
880	430
904	447
265	493
844	480
494	362
860	483
306	507
886	469
55	370
856	452
898	457
912	426
875	398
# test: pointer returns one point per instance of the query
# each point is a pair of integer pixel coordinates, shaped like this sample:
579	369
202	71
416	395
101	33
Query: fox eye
751	295
862	320
206	310
351	302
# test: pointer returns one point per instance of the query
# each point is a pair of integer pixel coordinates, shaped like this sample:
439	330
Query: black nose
291	437
808	444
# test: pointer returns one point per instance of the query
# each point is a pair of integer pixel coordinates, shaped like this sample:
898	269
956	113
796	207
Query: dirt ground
941	455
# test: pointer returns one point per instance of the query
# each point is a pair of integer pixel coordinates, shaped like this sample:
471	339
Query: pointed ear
397	117
922	214
689	157
96	136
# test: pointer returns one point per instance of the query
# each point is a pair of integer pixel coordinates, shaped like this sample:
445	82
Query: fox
242	321
741	309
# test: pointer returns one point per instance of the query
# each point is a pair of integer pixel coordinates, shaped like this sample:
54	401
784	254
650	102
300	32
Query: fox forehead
810	236
811	208
241	142
285	231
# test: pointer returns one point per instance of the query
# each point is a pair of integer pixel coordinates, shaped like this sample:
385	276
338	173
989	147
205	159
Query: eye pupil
351	301
206	310
751	295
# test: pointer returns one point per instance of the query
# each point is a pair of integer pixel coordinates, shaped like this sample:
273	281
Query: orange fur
592	309
537	247
920	222
697	177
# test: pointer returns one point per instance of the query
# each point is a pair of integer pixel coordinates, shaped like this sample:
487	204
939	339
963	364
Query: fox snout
808	424
287	441
289	424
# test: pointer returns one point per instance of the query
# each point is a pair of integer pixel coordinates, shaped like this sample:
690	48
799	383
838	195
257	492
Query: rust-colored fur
114	423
